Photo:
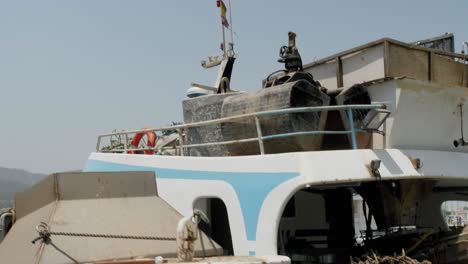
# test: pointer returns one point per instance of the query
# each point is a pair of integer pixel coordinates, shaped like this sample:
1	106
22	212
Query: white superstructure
301	203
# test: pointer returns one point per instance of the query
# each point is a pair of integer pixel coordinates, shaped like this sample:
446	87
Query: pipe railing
256	116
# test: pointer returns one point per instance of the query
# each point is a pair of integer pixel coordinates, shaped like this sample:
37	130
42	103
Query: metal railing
181	129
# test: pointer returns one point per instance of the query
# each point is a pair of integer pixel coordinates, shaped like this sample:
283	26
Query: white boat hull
255	189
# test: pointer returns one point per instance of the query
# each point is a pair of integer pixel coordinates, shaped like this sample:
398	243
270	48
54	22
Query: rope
421	239
64	253
112	236
44	236
45	233
386	260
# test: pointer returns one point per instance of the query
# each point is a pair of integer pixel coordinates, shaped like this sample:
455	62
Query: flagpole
230	21
224	40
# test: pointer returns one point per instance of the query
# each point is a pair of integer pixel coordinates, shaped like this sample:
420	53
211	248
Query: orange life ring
151	142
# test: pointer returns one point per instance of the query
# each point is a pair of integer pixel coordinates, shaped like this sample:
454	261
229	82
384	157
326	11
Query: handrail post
98	144
126	142
181	140
351	127
259	135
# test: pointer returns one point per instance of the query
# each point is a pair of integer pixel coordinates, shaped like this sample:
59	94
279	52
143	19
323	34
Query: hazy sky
70	70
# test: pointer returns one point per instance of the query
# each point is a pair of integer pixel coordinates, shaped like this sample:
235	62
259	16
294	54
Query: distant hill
13	181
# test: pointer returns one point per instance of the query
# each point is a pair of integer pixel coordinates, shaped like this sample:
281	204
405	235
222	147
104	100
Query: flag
222	8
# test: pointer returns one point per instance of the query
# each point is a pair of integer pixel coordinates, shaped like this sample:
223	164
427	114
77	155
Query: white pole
230	21
224	41
224	37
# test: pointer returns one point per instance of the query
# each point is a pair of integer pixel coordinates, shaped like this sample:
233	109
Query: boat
362	164
347	158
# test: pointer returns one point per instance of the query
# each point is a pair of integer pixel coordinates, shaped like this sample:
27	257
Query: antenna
228	50
226	60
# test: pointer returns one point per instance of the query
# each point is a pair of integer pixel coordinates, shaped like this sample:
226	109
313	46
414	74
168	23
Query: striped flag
222	8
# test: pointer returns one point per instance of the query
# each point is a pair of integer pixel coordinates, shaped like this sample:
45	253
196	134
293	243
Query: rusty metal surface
295	94
205	108
124	203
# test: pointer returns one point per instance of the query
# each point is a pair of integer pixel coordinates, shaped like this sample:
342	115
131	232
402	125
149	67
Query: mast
224	41
231	44
226	62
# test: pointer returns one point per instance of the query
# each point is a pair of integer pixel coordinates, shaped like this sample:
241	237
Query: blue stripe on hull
251	187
